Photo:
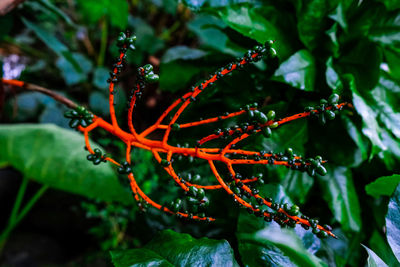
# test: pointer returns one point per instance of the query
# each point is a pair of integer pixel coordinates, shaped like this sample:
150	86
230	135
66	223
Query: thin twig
33	87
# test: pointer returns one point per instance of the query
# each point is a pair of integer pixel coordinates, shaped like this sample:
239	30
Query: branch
33	87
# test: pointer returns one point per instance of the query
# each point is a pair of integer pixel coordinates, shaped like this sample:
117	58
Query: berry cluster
79	117
97	157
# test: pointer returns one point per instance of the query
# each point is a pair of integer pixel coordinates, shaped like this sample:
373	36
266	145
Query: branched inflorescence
243	190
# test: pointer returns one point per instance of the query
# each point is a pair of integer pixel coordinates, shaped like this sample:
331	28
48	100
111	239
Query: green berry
193	191
271	115
165	163
321	170
266	131
330	114
152	78
200	193
274	125
333	99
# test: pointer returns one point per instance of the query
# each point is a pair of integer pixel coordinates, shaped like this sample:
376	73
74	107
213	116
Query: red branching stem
130	112
112	91
197	91
297	219
280	122
211	154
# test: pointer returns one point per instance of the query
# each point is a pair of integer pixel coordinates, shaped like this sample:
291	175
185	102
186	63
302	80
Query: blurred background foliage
347	47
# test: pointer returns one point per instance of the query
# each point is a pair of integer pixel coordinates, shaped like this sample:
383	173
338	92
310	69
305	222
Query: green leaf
209	30
380	246
312	21
116	11
383	186
177	75
137	258
392	56
391	4
252	23
47	38
183	53
169	247
393	222
339	192
255	254
54	156
70	74
365	69
286	241
54	44
355	134
370	127
339	16
373	259
386	29
100	76
298	71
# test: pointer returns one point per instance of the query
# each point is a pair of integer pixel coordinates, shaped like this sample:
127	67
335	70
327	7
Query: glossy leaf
373	259
287	242
383	186
254	253
339	192
138	258
55	156
183	53
386	30
365	69
298	71
392	223
250	22
169	247
312	22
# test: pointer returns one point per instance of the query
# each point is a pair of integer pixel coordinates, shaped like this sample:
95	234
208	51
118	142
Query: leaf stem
16	218
103	45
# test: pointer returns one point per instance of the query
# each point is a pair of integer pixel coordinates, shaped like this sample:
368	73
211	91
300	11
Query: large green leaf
287	242
54	156
254	253
361	59
169	248
373	259
381	118
393	222
312	21
253	23
116	11
380	246
386	29
340	194
383	186
138	258
298	71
